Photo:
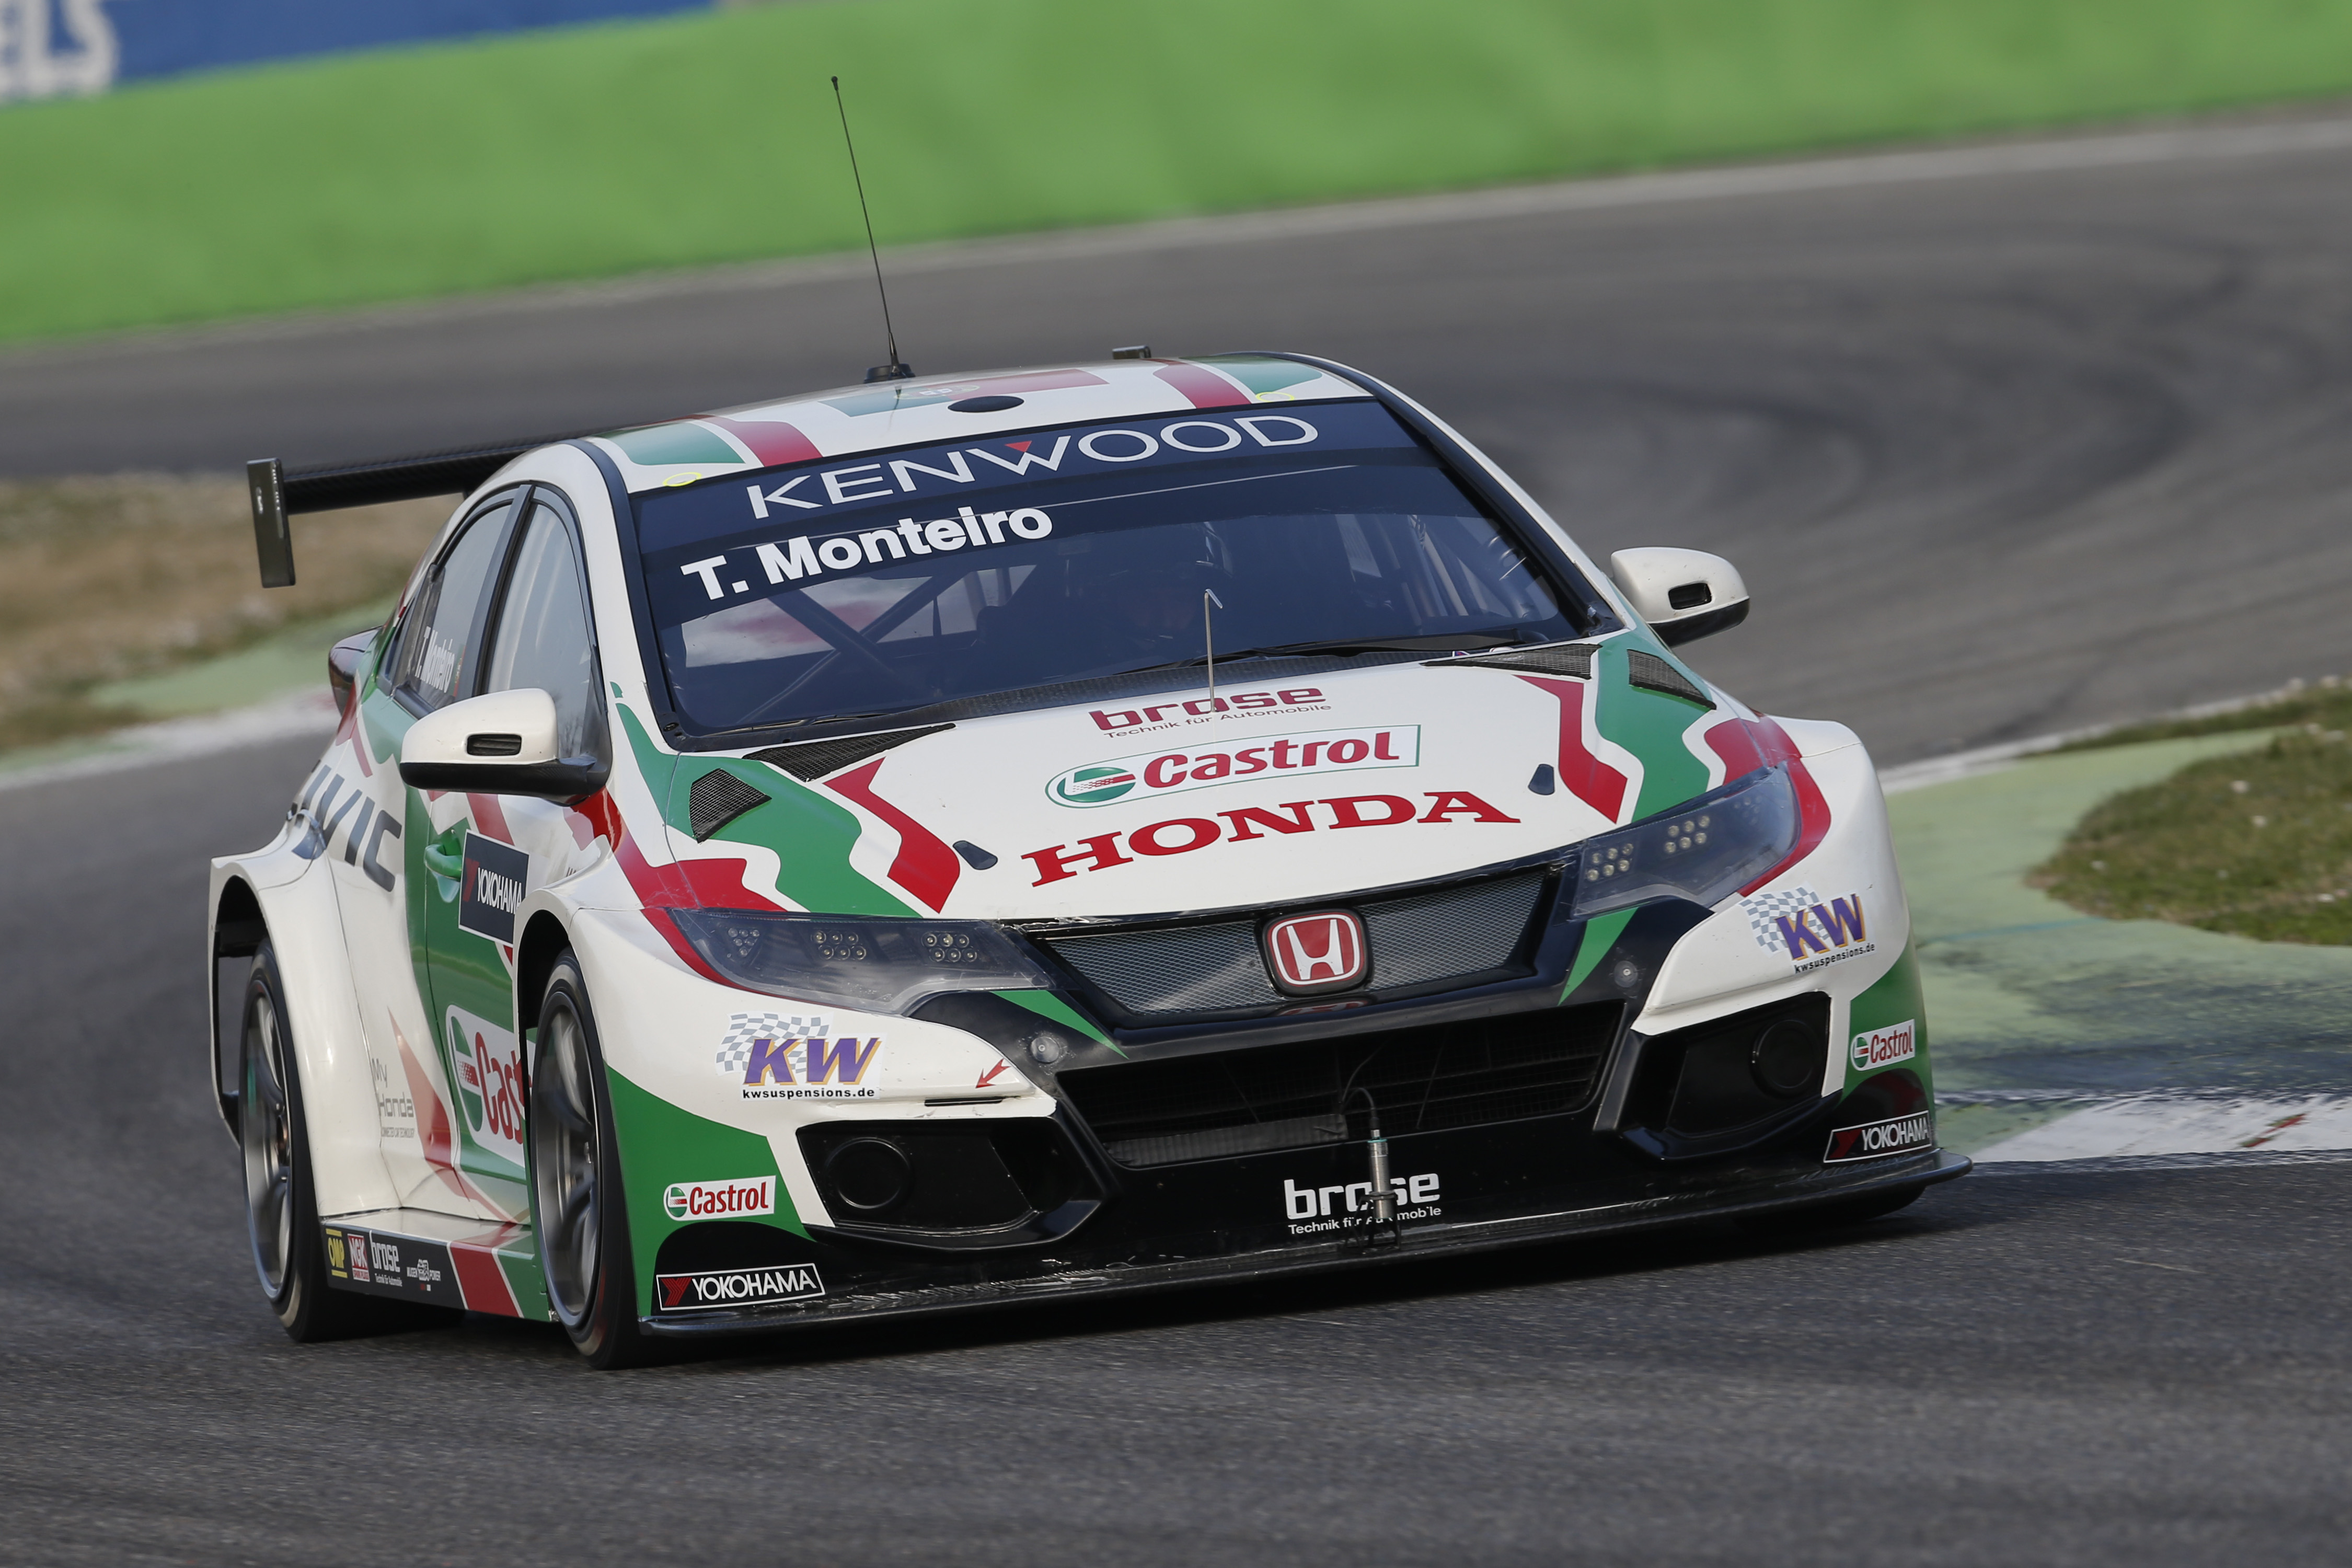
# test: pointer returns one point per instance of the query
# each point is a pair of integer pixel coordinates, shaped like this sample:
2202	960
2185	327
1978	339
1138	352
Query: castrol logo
1876	1048
720	1200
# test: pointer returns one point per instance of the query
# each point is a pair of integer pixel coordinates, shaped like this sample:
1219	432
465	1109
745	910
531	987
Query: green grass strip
2256	845
601	151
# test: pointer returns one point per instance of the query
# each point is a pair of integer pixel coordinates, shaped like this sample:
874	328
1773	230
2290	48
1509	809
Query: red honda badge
1321	951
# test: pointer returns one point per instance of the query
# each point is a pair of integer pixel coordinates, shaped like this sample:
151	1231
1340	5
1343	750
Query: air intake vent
812	760
1417	939
1229	1103
718	798
1651	673
1574	659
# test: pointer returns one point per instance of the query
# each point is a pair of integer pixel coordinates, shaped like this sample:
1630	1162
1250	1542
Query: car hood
1273	791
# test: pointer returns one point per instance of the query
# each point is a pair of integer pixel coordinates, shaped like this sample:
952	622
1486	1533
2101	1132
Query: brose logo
1896	1135
1876	1048
720	1200
1345	1205
1167	773
737	1287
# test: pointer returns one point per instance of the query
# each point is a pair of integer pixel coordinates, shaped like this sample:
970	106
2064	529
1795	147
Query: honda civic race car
1059	832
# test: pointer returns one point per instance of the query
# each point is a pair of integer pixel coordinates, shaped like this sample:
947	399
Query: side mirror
1684	594
499	744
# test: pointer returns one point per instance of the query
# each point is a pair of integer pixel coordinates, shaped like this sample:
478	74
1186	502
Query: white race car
1056	831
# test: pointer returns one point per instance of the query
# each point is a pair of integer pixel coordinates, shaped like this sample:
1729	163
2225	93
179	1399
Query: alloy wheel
266	1127
564	1163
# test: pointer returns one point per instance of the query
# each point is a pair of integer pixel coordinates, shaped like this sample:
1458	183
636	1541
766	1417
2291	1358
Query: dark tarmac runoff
1999	451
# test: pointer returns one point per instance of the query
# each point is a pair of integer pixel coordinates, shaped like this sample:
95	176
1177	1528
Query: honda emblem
1316	952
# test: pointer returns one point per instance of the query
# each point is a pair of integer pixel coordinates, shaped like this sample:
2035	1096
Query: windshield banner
752	536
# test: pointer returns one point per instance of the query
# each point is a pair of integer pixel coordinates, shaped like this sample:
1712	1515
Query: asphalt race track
2001	453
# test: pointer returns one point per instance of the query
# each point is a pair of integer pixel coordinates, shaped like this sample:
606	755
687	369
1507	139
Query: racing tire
1842	1212
281	1209
578	1210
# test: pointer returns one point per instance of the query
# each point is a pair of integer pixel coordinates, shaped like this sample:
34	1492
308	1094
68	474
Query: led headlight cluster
1703	850
875	966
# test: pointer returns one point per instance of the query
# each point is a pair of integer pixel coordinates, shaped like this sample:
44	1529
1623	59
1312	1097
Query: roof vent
1651	673
718	798
811	760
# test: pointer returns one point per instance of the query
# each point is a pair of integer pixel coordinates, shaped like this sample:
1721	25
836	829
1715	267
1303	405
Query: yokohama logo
737	1288
1894	1136
1321	951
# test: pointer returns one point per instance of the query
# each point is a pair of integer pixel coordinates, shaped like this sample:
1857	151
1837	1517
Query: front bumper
1109	1259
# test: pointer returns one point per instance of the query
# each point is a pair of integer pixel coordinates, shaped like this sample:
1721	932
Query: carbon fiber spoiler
278	495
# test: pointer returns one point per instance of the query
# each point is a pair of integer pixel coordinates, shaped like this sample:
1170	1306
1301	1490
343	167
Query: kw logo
1834	930
826	1069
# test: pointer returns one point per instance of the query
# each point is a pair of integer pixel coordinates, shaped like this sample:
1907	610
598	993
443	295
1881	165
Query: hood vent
718	798
1574	659
1651	673
812	760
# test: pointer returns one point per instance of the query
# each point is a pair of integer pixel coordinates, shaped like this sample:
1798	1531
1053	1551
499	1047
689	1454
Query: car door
376	834
487	852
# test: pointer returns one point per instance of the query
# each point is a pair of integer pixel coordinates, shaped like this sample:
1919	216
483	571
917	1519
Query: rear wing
278	495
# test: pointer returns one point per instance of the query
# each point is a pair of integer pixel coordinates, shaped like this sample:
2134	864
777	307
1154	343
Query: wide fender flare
298	907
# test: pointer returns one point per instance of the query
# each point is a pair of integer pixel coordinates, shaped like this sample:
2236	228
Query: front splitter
1420	1241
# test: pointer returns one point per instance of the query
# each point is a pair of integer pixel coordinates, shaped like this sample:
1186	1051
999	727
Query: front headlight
874	965
1702	850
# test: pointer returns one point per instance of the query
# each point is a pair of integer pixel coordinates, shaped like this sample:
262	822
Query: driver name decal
794	559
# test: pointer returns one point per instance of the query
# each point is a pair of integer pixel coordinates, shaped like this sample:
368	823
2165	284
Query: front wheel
281	1209
578	1208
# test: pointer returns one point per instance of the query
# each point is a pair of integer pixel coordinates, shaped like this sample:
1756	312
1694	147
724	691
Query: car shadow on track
1406	1281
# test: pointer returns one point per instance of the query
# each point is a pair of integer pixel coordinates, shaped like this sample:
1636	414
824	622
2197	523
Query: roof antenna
895	370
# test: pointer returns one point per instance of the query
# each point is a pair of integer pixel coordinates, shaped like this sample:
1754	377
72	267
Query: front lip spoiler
1826	1183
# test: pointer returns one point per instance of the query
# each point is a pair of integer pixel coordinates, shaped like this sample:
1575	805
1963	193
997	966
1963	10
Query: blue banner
49	48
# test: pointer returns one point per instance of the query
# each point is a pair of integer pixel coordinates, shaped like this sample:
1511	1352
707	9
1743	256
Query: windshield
940	574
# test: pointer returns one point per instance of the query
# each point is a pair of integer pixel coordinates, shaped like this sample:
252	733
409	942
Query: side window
440	642
543	637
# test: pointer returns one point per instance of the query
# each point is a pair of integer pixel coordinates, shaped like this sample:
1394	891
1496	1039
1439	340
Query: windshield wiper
1450	642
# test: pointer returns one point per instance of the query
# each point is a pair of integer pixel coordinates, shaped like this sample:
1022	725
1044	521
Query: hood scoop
1572	659
810	761
1651	673
716	799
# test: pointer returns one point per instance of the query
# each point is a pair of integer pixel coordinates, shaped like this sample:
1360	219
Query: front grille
1416	939
1222	1104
